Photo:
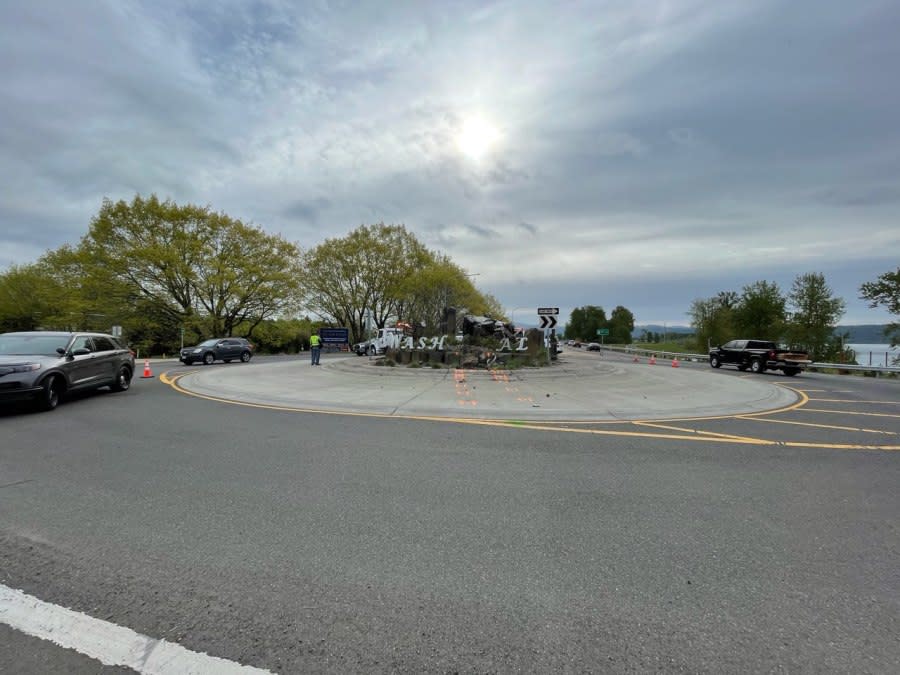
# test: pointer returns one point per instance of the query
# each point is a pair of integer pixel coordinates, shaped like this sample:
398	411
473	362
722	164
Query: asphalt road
300	542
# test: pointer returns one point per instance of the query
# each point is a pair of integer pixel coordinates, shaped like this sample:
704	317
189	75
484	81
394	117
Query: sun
477	137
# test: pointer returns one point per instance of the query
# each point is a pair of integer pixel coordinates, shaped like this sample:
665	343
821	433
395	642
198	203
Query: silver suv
44	365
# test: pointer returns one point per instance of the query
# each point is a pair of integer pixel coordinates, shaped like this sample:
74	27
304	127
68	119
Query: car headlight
26	367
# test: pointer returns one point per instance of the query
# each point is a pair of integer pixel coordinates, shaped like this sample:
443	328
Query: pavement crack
412	398
18	482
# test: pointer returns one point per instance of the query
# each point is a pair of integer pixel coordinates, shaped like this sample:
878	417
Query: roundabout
581	394
580	389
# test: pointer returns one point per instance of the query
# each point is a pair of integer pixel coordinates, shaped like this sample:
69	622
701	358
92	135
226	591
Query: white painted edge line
104	641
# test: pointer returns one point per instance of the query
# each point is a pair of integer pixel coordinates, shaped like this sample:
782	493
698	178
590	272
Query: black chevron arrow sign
548	322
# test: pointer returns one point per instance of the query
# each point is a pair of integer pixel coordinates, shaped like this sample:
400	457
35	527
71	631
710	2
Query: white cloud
637	143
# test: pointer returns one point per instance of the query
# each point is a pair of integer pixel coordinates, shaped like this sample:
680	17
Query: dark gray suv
218	349
45	365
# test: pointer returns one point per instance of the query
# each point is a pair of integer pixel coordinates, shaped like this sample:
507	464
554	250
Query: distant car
218	349
44	365
593	347
361	348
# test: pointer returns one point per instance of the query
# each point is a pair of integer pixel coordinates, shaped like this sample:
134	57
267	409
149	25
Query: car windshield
31	345
208	343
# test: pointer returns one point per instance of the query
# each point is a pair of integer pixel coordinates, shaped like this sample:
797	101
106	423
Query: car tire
715	362
756	366
245	357
208	358
790	372
48	399
123	379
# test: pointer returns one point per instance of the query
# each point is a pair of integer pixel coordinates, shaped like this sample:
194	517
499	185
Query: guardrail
816	365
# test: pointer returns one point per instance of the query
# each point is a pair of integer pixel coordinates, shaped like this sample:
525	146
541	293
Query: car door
82	369
227	350
234	349
731	351
106	356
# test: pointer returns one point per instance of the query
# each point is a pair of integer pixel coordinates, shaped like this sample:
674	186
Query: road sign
548	321
546	311
603	331
334	336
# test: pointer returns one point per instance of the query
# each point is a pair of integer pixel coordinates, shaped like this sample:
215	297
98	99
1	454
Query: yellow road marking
846	400
819	426
848	412
536	426
700	431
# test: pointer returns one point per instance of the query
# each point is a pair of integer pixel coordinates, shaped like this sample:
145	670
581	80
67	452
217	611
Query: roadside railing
701	358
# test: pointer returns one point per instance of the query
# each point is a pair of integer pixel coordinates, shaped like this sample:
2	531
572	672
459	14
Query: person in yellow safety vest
315	346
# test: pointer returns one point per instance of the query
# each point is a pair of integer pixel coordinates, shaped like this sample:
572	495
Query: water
875	354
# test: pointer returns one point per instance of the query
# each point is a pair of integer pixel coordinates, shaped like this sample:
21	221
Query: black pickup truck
758	356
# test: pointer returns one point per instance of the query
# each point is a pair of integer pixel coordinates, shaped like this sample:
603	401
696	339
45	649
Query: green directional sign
603	331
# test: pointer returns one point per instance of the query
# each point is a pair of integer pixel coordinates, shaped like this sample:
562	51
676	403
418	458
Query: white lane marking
106	642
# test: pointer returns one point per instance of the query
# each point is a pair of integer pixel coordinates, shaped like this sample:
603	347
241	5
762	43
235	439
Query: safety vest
313	340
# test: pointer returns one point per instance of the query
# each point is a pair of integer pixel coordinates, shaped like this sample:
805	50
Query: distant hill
872	333
858	334
659	328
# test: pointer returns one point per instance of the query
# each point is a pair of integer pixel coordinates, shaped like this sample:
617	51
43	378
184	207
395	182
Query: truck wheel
715	362
756	366
790	372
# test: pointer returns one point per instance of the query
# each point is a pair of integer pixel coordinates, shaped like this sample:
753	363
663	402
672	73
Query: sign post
602	332
548	315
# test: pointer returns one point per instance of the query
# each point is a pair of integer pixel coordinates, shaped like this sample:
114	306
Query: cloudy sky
567	153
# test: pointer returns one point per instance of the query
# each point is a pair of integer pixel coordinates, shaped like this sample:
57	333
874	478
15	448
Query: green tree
26	298
384	270
621	324
814	314
713	319
584	322
885	290
761	312
202	270
361	274
55	292
438	284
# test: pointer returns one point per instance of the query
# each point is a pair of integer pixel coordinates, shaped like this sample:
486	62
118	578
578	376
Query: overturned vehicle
484	326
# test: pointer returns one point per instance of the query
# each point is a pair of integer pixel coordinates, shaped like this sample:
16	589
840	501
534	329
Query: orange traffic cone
147	371
675	362
652	360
